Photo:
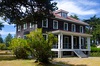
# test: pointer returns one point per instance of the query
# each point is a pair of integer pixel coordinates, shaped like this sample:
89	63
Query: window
73	28
31	25
25	26
45	23
55	24
45	36
81	29
64	15
19	28
65	26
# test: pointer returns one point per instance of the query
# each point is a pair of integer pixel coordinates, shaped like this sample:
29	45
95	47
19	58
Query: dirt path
91	61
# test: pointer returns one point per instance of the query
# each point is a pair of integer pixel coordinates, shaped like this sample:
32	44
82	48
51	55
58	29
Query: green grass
23	63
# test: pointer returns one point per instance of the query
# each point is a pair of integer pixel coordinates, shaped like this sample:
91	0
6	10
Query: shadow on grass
7	57
67	64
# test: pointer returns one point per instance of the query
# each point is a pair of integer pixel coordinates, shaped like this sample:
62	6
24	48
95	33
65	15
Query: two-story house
70	32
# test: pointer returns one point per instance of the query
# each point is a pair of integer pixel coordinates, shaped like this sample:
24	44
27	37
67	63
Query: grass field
23	63
91	61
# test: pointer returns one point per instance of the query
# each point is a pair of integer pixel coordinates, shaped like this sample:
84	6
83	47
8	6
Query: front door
66	43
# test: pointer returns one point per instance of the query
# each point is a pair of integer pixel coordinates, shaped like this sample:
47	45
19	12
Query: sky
84	9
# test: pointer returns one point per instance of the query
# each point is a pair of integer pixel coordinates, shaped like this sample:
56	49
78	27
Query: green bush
20	48
95	52
2	46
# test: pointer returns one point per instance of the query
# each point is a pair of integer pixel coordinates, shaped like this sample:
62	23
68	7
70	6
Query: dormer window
45	23
55	24
65	26
81	29
64	14
73	28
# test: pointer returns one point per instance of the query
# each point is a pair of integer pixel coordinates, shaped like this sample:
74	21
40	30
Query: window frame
46	36
53	24
73	29
25	26
46	23
81	27
64	26
19	28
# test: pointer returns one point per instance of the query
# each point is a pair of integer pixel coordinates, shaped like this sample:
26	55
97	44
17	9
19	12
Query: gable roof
68	18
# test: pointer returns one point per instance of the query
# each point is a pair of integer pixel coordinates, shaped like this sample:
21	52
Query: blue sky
83	8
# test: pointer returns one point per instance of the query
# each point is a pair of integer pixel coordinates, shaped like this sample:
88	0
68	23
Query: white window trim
80	29
53	24
73	30
25	26
64	26
19	28
30	25
46	24
46	36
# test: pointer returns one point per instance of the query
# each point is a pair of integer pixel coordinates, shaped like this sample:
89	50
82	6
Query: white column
88	42
59	54
61	41
71	41
79	42
58	41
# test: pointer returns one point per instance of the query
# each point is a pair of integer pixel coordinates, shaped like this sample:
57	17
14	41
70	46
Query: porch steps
80	54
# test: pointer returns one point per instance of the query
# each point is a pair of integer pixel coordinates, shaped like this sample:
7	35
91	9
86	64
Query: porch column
88	42
79	42
71	41
59	54
61	41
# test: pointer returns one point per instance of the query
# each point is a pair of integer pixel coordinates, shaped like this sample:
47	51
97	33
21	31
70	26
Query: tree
1	26
94	28
41	47
8	39
20	48
74	16
22	11
1	39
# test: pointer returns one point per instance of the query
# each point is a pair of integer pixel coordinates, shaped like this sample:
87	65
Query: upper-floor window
19	28
64	14
81	29
55	24
65	26
31	25
25	26
45	36
73	28
45	23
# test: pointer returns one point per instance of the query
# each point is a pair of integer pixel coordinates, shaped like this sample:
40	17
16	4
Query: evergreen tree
1	39
8	39
74	16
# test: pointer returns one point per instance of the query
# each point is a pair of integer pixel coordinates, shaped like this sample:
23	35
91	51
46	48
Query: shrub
41	47
2	46
20	48
95	51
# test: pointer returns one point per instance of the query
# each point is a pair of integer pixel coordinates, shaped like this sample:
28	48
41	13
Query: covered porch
71	41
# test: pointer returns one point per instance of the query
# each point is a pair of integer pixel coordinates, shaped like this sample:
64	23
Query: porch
71	41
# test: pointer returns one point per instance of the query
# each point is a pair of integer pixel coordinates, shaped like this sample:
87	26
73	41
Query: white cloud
5	23
73	6
6	33
88	2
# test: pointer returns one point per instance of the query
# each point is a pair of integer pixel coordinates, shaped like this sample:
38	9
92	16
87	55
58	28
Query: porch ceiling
70	33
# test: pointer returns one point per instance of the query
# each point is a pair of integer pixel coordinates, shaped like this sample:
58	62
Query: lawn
22	63
74	61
